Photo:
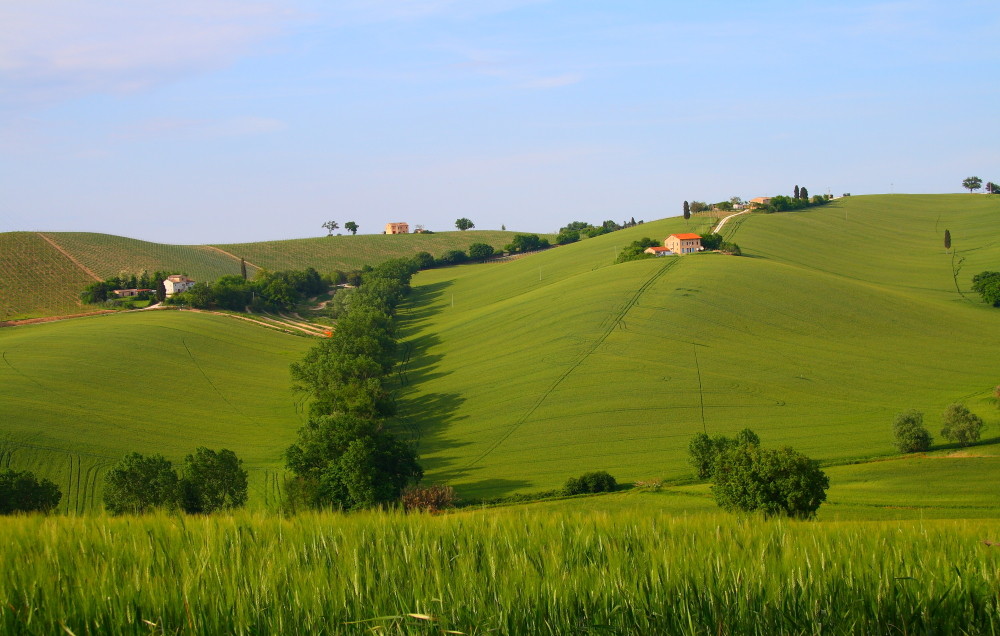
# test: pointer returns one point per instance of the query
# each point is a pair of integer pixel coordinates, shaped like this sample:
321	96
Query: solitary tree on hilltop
330	226
947	239
351	227
687	211
464	224
795	194
972	183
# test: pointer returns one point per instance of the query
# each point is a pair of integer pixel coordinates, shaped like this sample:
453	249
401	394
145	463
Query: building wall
682	246
397	228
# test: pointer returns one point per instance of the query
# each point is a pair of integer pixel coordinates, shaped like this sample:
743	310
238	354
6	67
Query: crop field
512	571
329	253
78	395
521	375
36	279
110	255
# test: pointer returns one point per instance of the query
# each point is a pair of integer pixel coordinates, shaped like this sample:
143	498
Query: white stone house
176	284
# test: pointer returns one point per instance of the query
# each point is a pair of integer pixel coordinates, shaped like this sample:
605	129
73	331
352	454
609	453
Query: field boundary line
83	267
230	255
579	360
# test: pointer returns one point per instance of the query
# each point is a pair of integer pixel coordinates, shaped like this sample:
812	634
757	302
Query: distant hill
39	280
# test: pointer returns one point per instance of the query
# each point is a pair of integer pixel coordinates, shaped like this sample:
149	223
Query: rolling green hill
37	280
521	375
79	394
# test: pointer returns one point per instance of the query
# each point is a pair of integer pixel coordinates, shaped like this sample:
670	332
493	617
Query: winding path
722	221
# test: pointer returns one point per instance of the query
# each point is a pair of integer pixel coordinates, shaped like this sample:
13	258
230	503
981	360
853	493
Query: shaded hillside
521	375
36	279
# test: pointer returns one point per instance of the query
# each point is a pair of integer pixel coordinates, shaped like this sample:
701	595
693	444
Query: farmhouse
176	284
660	251
128	293
397	228
760	201
683	243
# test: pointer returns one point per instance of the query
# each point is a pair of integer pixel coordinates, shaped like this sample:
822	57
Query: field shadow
419	307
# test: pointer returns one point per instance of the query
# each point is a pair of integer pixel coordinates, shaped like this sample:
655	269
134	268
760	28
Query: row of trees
208	482
103	291
330	226
576	230
974	183
694	207
749	478
959	425
266	290
345	456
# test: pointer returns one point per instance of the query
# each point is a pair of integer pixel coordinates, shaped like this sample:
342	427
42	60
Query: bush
987	285
22	492
711	241
480	251
140	484
423	260
429	498
749	478
909	432
704	451
961	425
452	257
568	236
599	481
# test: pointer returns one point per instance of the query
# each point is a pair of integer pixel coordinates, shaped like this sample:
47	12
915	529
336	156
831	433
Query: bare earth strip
232	256
70	257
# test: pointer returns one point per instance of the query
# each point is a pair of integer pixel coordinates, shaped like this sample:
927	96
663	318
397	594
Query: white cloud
58	49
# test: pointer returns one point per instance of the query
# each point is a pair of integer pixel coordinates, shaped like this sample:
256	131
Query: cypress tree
796	195
804	193
947	239
243	268
687	211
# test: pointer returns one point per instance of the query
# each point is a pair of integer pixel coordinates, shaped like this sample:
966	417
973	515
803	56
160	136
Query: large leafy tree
21	491
351	227
909	432
961	425
749	478
972	183
330	226
140	484
480	251
987	285
212	481
464	224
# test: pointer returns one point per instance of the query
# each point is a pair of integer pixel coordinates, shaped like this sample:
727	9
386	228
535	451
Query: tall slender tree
243	268
804	193
796	193
947	239
687	211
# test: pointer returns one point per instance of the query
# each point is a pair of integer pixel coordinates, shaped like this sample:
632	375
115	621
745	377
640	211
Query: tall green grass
511	572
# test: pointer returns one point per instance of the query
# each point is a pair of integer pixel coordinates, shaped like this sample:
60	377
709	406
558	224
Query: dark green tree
947	239
749	478
453	257
464	224
972	183
687	211
480	251
568	236
423	260
961	425
21	491
711	241
212	481
139	484
704	451
526	243
987	285
805	194
909	432
593	482
795	193
351	227
992	188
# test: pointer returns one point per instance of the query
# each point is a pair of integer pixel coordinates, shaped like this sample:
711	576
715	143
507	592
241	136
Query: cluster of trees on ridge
959	425
266	290
576	230
974	183
350	226
104	291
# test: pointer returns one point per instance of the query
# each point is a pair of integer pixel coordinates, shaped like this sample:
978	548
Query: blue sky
196	121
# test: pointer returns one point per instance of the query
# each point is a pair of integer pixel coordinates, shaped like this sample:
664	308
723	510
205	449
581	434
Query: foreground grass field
80	394
497	571
524	374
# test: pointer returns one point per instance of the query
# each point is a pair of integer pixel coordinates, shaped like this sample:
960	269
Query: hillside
521	375
38	280
79	394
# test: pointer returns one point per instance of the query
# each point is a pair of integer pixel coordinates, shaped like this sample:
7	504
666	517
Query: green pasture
77	395
520	375
330	253
510	571
36	279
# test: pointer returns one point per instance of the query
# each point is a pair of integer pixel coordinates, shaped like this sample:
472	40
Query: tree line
104	291
266	290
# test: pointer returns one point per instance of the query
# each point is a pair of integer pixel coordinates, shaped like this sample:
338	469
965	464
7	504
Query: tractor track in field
608	329
212	384
86	270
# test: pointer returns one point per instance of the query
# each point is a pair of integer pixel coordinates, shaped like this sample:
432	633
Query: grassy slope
813	340
330	253
35	279
77	395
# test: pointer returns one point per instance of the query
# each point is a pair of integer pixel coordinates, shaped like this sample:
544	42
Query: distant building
760	201
176	284
397	228
683	243
128	293
660	251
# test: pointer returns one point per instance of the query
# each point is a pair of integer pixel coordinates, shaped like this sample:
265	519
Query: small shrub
599	481
429	498
654	485
909	432
961	425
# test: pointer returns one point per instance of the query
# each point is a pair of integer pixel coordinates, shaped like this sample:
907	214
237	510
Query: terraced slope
79	394
521	375
36	279
330	253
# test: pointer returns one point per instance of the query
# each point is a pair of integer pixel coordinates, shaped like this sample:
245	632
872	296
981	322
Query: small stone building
397	228
660	251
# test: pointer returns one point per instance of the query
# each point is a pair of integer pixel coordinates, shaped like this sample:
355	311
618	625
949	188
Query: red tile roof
687	236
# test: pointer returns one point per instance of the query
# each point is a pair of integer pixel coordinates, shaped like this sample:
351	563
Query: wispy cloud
58	49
